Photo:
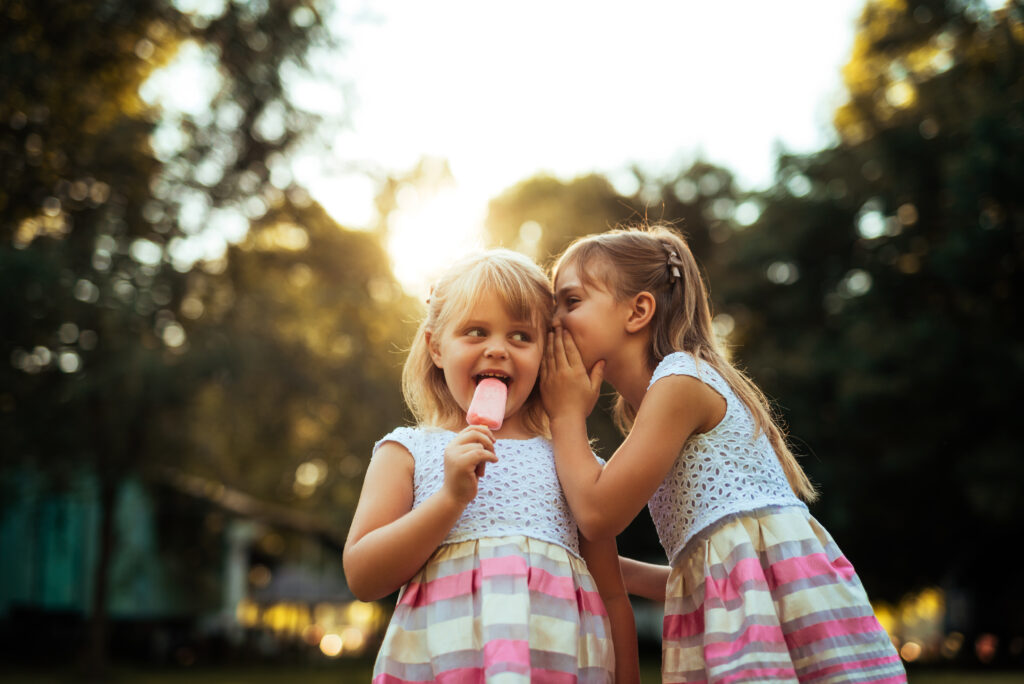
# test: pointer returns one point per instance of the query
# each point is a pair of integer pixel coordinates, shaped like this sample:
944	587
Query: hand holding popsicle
464	460
487	408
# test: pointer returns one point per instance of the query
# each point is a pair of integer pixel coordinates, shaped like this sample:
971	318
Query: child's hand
566	388
464	460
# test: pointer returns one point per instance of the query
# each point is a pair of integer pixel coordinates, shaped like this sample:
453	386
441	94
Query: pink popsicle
488	405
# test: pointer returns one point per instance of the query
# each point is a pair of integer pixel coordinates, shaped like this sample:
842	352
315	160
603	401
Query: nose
496	349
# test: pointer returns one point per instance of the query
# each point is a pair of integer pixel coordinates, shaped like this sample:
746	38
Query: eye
476	332
571	301
522	337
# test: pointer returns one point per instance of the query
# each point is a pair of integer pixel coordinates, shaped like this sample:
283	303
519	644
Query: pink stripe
789	570
812	565
753	634
507	565
757	673
552	585
462	675
682	626
476	675
853	664
590	601
424	593
515	651
832	628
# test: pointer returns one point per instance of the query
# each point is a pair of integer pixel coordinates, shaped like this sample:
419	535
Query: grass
358	672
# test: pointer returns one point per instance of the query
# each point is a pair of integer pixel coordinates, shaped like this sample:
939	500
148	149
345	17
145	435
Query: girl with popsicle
756	588
466	515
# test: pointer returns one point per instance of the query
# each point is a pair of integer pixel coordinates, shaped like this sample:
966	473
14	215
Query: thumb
597	375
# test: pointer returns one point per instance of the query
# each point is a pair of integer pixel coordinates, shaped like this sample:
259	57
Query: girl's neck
629	373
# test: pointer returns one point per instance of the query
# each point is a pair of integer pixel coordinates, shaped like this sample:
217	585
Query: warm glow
911	651
354	638
331	645
430	230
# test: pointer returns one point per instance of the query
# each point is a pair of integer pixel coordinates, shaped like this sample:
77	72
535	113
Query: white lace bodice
520	494
721	472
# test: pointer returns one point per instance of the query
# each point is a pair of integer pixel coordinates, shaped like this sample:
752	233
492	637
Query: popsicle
488	405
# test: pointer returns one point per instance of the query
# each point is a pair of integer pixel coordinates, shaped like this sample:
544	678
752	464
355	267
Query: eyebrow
515	323
565	288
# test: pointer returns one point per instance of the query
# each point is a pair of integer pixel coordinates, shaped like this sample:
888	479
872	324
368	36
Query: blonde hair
657	260
524	290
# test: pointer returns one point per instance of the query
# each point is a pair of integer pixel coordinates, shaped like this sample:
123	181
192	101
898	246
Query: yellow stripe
554	634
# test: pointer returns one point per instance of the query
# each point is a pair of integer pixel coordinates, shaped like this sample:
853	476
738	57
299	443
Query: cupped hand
567	389
464	461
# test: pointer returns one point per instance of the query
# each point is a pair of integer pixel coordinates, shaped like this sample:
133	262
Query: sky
506	91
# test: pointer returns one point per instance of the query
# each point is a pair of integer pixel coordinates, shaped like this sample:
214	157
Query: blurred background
220	217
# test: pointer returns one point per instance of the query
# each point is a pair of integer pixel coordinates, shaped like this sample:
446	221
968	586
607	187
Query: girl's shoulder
684	363
676	363
414	438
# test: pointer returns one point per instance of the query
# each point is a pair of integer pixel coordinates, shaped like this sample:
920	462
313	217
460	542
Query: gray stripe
817	618
469	605
687	604
820	581
845	641
426	672
412	619
728	637
515	631
547	660
882	667
595	675
771	619
766	664
551	660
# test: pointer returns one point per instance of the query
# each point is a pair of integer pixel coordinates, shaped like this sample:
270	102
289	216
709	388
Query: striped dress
758	589
507	597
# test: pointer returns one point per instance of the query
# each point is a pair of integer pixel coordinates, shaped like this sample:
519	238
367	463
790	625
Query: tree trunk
95	656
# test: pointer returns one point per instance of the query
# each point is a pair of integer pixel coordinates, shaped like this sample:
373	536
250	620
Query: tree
299	334
882	283
104	197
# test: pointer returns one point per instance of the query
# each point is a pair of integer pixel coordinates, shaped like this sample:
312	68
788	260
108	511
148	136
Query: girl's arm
389	540
605	500
644	579
602	560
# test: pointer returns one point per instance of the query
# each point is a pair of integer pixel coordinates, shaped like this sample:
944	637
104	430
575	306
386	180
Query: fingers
481	434
572	352
559	351
545	362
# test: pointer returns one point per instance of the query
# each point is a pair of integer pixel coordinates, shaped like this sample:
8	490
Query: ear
641	311
434	348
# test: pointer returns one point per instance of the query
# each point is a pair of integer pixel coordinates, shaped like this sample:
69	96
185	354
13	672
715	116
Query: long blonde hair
657	260
524	290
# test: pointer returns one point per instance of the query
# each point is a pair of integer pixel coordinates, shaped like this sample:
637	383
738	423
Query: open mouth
500	376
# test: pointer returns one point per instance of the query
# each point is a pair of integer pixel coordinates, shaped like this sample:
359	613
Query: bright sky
506	91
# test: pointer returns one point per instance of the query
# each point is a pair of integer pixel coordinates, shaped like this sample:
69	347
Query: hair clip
673	263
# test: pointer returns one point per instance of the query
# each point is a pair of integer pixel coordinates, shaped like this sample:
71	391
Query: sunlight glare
428	232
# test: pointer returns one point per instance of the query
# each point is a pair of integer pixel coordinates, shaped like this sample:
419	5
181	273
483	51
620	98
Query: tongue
488	405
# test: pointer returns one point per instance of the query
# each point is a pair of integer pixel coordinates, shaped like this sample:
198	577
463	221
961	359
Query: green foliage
300	337
133	342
